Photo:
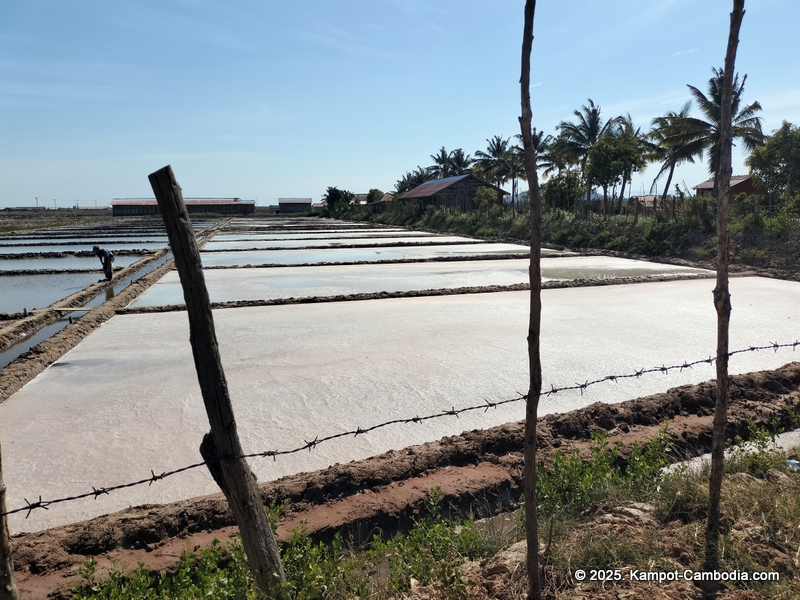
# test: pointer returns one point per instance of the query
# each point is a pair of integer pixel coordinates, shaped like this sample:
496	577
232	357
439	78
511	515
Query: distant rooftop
708	184
430	188
195	201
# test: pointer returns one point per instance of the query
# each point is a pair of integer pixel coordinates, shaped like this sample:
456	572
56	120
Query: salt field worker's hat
96	248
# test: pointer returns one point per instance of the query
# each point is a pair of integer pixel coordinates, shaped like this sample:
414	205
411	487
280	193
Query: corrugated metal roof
294	200
708	184
430	188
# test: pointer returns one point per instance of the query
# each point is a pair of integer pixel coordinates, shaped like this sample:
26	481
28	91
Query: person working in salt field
107	260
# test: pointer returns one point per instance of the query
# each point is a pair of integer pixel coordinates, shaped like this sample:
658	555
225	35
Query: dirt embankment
479	470
483	289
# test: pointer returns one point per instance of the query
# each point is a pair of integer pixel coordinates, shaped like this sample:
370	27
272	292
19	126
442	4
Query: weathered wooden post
722	296
221	447
8	589
531	441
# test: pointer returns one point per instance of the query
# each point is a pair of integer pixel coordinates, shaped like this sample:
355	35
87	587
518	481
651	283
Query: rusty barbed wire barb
31	506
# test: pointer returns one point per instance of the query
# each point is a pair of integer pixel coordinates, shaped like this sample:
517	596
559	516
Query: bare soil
478	470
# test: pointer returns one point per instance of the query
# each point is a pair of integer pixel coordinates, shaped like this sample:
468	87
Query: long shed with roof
740	184
148	206
294	205
451	192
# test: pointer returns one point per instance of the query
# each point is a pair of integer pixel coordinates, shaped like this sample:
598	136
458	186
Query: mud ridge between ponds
419	293
340	246
73	241
72	254
479	470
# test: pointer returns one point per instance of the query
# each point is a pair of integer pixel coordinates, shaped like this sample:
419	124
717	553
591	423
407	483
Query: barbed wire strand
453	412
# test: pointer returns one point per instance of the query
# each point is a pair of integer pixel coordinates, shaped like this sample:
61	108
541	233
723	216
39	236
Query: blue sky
270	99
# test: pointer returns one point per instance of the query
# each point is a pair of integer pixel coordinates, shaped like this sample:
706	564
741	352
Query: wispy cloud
195	26
335	38
685	52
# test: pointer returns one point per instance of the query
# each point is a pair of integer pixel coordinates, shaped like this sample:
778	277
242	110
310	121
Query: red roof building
451	192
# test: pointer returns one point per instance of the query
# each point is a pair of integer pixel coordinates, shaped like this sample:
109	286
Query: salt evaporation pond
313	235
225	285
126	400
37	291
215	245
76	263
294	257
81	240
112	246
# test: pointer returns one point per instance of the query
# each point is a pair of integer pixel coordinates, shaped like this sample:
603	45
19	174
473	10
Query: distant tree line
589	162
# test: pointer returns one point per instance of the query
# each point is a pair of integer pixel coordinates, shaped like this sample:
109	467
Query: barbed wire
453	412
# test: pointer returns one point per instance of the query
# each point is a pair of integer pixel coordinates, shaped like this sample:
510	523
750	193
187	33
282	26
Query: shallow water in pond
112	246
121	284
38	291
313	235
82	240
369	241
289	257
226	285
63	264
27	343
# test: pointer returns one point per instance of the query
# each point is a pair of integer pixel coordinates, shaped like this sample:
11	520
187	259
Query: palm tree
441	164
460	162
545	159
641	148
577	139
493	164
411	180
449	164
669	147
699	135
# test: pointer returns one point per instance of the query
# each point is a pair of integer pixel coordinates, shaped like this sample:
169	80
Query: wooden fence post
237	480
531	440
8	589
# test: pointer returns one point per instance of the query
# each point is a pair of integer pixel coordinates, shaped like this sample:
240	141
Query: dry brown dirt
479	469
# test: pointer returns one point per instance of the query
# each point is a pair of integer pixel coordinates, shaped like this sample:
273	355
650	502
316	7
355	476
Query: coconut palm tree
641	149
492	164
578	139
700	136
669	146
544	157
411	180
460	162
449	164
441	164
